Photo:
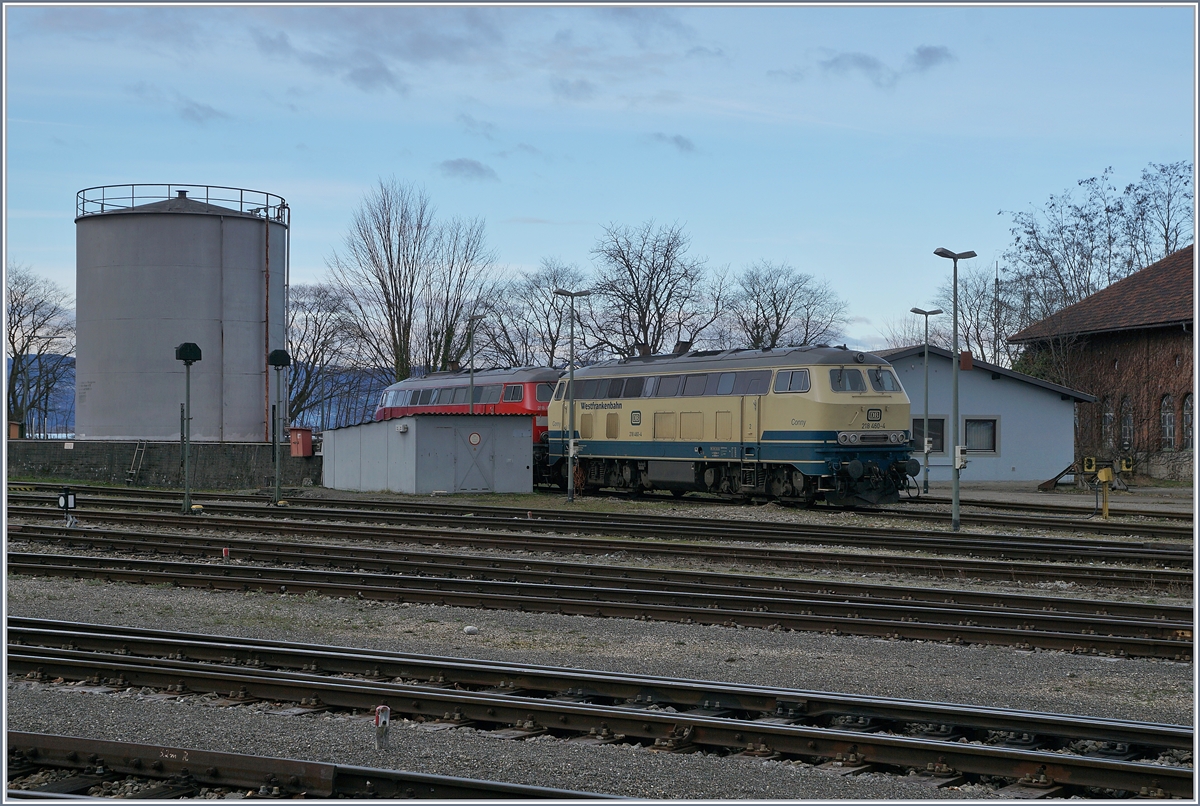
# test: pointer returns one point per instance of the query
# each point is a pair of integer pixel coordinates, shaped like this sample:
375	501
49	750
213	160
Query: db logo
874	415
474	438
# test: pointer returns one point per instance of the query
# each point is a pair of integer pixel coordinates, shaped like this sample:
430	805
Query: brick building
1131	346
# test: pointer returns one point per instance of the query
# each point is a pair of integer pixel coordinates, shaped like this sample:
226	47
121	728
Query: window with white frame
1167	422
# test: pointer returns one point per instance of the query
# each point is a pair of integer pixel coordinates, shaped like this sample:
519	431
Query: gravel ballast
1143	690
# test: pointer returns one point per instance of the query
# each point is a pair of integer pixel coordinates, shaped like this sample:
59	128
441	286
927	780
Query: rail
113	198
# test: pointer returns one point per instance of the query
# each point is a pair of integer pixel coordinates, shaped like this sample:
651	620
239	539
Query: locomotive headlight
893	437
844	438
854	439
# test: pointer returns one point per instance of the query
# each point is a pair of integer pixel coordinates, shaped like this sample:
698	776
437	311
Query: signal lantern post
278	359
188	353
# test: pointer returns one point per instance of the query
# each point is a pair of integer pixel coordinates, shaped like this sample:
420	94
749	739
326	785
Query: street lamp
278	359
471	359
942	251
928	443
189	354
571	394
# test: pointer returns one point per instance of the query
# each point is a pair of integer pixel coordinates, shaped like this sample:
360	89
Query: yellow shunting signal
1089	464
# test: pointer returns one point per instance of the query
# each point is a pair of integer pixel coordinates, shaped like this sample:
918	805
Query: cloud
463	168
578	90
479	128
922	59
522	148
196	112
643	23
680	142
926	57
189	109
701	52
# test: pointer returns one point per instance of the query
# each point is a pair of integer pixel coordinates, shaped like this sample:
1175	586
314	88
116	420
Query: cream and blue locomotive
799	423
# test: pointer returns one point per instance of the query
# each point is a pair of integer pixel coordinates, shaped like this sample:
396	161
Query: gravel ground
1044	681
1145	690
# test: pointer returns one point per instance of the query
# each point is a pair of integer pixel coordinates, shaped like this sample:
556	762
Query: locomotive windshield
882	380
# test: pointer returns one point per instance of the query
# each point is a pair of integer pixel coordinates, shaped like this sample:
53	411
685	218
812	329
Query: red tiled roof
1160	294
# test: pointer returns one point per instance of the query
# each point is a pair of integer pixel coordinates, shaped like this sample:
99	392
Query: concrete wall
432	453
224	466
1035	431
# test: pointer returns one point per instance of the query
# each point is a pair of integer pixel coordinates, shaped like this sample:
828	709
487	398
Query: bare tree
459	280
987	315
909	331
649	291
1073	247
775	304
40	334
527	323
317	334
1160	209
389	253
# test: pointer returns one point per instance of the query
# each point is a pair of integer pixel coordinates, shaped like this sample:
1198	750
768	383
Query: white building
1016	427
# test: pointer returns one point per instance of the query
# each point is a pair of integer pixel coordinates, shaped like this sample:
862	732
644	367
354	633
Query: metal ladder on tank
135	467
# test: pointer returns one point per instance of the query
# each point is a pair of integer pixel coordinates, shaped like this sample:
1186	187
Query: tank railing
111	198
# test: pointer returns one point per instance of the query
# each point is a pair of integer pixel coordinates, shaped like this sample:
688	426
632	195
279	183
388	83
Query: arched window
1188	418
1126	423
1167	423
1106	429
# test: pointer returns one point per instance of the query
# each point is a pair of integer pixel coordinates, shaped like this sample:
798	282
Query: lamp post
942	251
471	360
188	353
278	359
571	394
927	443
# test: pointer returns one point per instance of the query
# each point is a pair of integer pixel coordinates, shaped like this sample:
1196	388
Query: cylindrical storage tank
159	265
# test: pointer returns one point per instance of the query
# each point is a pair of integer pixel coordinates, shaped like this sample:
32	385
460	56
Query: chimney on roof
640	348
455	366
681	347
182	194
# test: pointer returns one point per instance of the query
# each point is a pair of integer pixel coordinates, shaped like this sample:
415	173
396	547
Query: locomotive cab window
725	383
460	395
586	390
492	394
514	392
882	380
560	390
847	380
795	380
426	394
615	387
634	386
543	392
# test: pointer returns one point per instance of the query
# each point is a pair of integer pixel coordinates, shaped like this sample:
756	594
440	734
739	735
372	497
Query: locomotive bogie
795	424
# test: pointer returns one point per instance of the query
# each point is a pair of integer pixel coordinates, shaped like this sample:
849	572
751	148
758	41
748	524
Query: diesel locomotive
796	424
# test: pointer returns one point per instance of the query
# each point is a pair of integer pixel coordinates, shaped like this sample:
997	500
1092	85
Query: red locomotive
513	391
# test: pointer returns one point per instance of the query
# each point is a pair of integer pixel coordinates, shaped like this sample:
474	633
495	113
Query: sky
848	142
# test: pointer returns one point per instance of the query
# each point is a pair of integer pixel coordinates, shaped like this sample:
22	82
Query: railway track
105	496
1085	509
164	772
699	529
1046	754
834	560
600	590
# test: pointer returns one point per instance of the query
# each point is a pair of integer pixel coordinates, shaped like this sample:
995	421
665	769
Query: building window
1106	429
1188	418
1126	423
937	432
1167	422
981	436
